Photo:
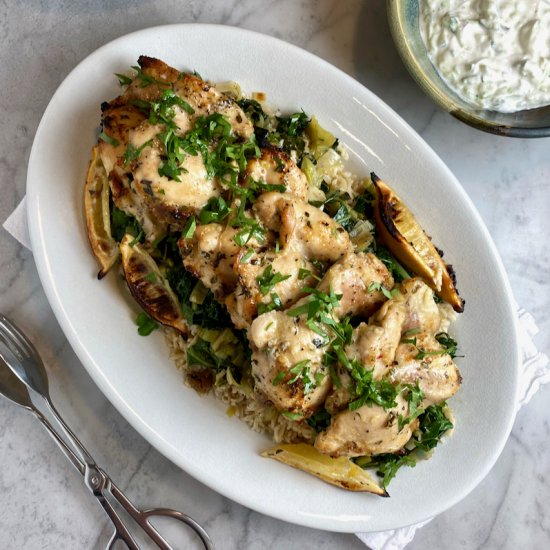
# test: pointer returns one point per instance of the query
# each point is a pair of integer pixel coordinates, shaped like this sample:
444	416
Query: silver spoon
21	369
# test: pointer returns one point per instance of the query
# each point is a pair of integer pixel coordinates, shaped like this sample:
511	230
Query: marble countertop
44	503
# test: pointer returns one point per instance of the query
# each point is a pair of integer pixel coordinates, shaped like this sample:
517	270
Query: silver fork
21	368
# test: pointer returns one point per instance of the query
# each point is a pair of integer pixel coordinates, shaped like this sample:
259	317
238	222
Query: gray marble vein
44	503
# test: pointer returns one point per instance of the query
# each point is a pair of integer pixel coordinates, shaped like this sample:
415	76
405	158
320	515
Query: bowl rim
446	102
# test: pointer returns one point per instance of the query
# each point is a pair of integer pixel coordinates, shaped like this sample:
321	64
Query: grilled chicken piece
367	431
305	233
204	98
275	167
127	200
314	234
422	311
436	374
168	200
211	257
279	343
243	304
374	345
121	115
351	277
156	77
207	100
117	121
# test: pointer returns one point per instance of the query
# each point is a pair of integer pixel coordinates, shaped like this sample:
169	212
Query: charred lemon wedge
407	241
149	287
98	217
340	471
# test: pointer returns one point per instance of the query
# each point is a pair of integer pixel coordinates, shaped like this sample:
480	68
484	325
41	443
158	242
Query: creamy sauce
495	54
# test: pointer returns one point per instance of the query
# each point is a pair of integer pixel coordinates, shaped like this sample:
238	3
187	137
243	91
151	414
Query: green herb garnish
448	343
123	79
275	304
389	294
269	278
279	378
108	139
216	210
414	395
189	228
132	153
145	324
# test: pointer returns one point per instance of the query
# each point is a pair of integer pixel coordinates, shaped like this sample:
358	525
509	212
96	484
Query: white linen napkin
535	372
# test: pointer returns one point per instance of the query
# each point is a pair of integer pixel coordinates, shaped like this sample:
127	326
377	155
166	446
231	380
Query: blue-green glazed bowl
403	17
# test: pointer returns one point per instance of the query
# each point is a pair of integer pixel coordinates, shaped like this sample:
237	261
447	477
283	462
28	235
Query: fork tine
12	335
11	345
29	367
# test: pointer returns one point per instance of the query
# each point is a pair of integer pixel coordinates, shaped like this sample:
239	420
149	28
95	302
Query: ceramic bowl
403	17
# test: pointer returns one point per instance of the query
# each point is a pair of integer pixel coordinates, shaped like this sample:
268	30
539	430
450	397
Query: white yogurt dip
495	54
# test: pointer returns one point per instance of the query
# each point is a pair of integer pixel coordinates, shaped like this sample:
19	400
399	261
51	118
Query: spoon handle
67	451
85	456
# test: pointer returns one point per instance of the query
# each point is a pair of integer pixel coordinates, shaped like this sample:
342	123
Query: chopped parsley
145	324
189	228
414	395
301	371
389	294
269	278
124	80
246	257
388	465
275	304
433	425
108	139
251	230
290	134
449	344
132	153
337	206
279	378
398	272
145	79
305	273
365	389
215	211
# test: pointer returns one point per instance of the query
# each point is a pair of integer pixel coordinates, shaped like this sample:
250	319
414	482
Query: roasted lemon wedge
149	287
407	241
98	218
340	471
